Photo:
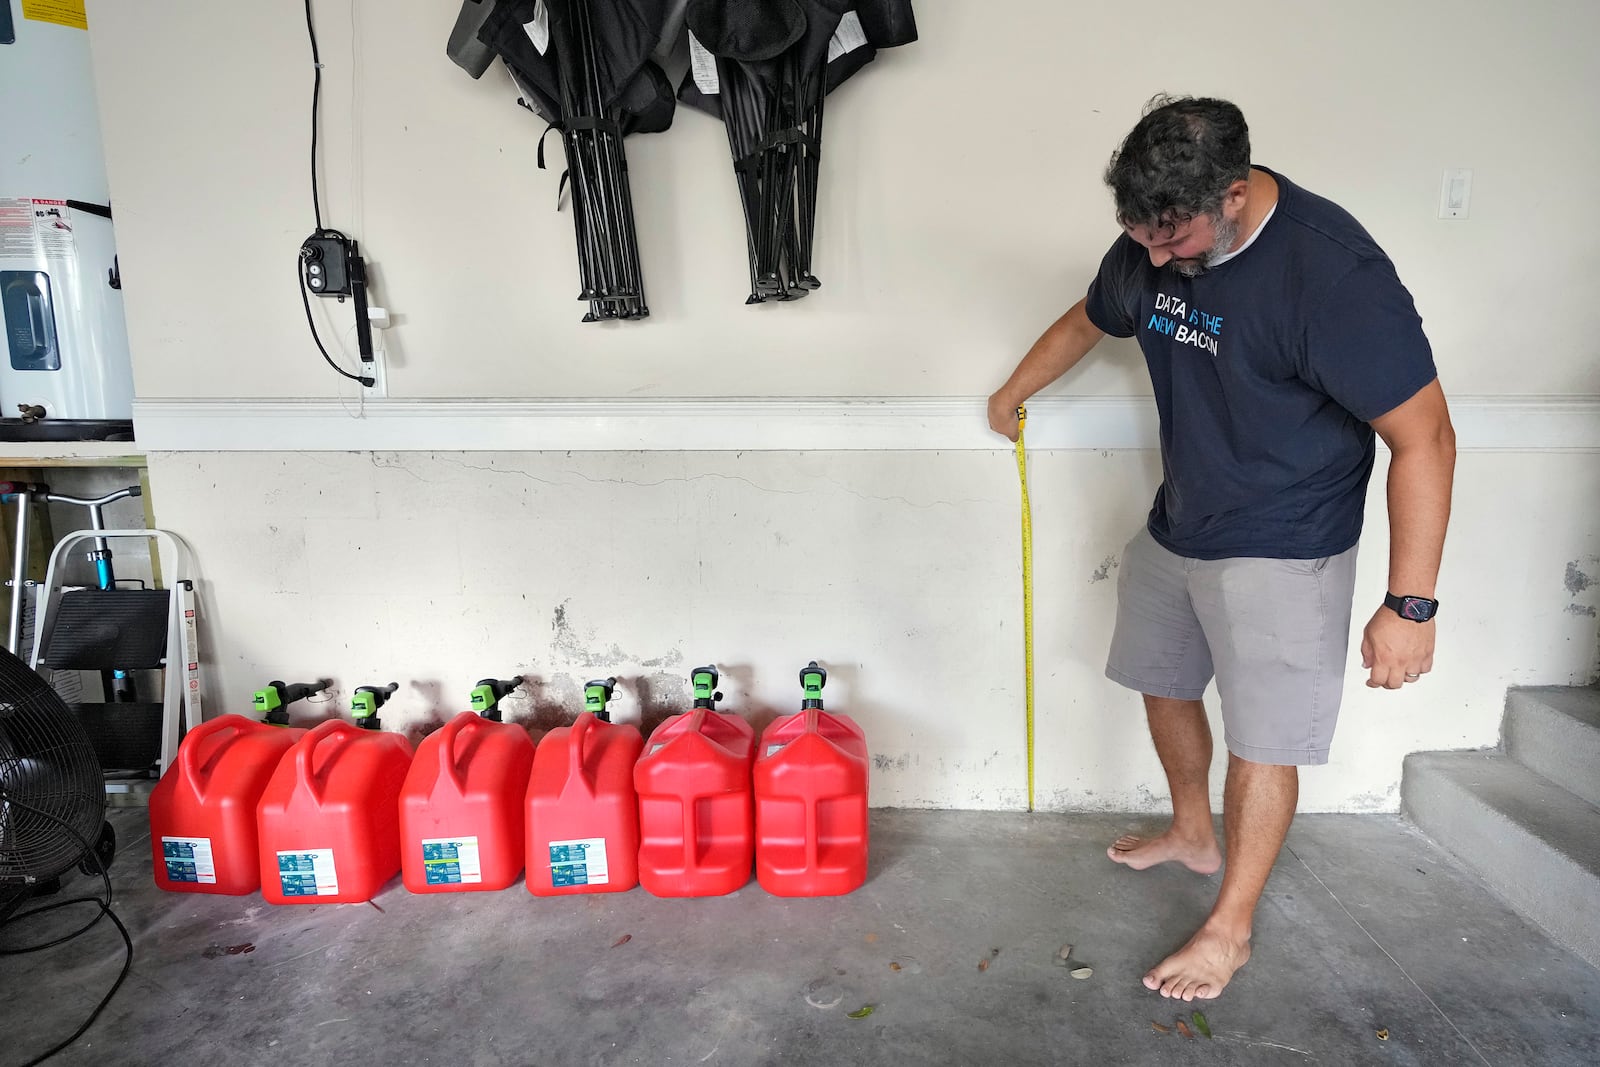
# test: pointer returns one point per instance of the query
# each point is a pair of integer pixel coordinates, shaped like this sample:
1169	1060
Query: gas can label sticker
579	863
308	873
775	748
451	861
189	859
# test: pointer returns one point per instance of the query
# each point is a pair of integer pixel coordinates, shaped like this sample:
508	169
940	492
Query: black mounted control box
325	265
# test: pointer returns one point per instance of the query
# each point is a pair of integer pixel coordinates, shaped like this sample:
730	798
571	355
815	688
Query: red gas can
583	813
329	820
203	811
696	825
461	808
811	800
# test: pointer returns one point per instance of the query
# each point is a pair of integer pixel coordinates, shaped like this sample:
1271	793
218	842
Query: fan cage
47	765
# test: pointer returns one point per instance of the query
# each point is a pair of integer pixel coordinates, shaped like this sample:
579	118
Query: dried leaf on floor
1201	1025
1158	1028
213	951
983	965
863	1011
1183	1028
1064	952
1080	973
894	966
1383	1035
623	940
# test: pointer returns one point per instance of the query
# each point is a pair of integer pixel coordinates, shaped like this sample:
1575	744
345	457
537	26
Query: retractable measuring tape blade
1027	584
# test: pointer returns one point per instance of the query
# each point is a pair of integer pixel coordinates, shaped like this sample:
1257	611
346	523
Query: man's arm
1421	471
1060	348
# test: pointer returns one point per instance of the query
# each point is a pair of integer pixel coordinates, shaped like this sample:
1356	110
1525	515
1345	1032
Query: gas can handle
302	758
581	729
447	745
188	761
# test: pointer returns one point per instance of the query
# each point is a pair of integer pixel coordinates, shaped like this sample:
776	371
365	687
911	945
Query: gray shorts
1274	632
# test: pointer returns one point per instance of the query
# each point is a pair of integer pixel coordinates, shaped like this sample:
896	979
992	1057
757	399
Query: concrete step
1533	842
1556	732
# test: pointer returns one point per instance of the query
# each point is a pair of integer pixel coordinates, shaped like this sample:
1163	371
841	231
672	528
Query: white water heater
65	352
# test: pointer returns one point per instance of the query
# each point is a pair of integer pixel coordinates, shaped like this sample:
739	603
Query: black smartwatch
1415	608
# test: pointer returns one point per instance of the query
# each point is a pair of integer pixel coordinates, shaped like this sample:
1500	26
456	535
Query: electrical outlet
378	370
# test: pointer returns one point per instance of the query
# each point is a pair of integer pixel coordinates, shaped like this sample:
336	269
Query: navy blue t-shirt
1267	371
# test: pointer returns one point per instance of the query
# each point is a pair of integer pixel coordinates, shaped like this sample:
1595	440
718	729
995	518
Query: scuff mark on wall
1577	580
661	696
568	646
571	648
1388	800
549	703
1102	572
1580	581
428	693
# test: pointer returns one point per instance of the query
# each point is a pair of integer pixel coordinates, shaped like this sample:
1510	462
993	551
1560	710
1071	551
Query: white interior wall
897	570
961	211
961	205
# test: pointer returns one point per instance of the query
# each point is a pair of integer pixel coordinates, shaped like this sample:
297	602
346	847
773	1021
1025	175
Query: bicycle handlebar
62	498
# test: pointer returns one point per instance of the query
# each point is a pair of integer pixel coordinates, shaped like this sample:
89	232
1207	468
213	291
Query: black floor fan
52	817
52	791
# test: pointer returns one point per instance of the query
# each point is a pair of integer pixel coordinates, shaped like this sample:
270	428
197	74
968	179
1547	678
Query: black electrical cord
104	912
316	206
316	99
305	301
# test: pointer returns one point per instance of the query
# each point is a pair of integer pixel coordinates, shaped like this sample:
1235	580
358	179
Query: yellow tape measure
1027	584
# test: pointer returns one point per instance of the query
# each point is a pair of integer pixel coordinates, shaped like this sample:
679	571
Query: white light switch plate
1455	194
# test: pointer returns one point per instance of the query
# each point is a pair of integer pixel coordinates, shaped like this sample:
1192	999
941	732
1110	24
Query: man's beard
1226	231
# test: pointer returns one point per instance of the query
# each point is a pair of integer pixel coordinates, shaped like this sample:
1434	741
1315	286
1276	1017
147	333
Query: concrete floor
1365	927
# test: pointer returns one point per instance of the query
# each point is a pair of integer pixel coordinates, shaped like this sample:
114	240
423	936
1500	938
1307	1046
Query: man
1278	338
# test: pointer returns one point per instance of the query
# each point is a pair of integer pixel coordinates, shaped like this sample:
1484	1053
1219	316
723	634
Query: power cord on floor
104	912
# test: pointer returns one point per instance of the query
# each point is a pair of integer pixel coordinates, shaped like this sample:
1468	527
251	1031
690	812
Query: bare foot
1200	856
1200	969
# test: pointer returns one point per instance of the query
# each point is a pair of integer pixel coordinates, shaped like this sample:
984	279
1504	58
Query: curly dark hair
1178	161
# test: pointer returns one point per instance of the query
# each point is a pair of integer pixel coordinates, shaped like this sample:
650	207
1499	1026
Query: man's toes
1151	982
1127	843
